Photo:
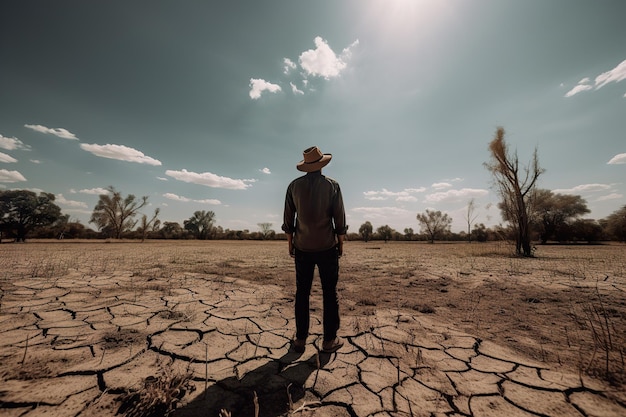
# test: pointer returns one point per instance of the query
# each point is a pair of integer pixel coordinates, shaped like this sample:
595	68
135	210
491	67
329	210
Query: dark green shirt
314	212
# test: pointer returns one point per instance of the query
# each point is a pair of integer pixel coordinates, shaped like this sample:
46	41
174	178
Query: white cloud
295	90
10	176
119	152
288	65
35	161
455	195
415	190
265	170
161	179
404	195
175	197
616	75
578	89
612	196
6	158
57	131
583	188
94	191
257	86
618	159
441	185
322	61
209	179
12	144
70	203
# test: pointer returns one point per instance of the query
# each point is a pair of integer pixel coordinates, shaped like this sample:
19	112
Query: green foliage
200	224
554	213
366	231
434	223
385	232
21	211
615	224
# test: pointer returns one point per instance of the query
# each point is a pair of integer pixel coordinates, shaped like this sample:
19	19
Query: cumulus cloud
69	203
10	176
94	191
11	144
6	158
57	131
257	86
441	185
35	161
295	89
119	152
384	194
322	61
265	170
288	65
175	197
162	179
583	188
455	195
614	75
209	179
618	159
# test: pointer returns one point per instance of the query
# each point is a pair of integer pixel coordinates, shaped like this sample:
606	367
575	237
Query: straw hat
314	160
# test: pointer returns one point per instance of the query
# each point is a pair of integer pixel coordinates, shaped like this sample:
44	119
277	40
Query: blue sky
208	105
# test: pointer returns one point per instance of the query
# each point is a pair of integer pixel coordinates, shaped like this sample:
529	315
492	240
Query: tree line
529	214
552	217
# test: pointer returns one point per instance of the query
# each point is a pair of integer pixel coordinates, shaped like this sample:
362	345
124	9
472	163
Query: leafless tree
515	188
470	217
266	229
147	225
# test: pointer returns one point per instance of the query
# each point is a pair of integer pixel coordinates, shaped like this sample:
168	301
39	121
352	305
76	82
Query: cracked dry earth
90	344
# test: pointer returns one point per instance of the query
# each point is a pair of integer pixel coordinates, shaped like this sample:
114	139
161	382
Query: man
315	223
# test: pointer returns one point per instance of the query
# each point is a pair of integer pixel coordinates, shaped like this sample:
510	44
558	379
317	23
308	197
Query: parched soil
538	336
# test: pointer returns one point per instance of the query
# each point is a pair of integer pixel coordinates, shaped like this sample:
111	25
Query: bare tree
149	225
116	214
266	229
434	223
515	188
470	217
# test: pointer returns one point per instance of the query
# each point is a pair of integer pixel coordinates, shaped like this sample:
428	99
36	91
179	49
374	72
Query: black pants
328	265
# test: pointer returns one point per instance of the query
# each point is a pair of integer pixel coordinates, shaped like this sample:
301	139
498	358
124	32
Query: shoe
331	346
298	345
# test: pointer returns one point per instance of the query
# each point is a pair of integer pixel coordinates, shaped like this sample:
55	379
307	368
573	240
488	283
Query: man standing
315	223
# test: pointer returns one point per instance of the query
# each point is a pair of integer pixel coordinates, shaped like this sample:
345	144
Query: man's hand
340	239
292	250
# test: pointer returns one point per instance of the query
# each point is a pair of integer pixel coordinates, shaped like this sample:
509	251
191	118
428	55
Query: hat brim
314	166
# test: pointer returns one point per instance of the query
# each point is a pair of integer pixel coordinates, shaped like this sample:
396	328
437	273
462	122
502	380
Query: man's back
314	212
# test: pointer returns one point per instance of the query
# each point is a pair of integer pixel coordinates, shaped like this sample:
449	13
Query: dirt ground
565	309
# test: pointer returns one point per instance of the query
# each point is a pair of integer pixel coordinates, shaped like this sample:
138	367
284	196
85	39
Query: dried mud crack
95	345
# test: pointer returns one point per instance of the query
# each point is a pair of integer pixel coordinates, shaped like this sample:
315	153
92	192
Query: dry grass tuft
158	397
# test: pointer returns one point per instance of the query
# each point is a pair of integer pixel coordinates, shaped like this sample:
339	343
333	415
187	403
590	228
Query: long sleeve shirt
314	212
